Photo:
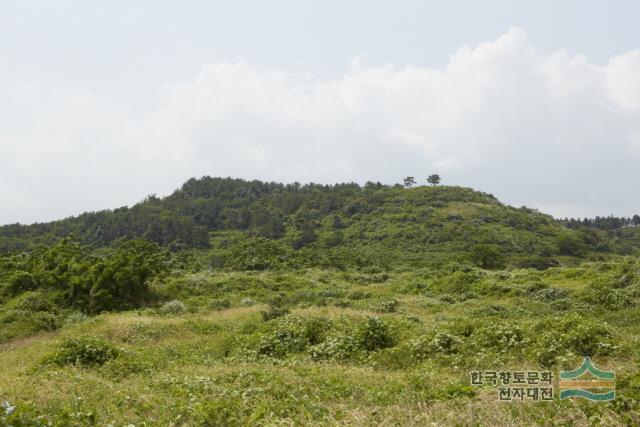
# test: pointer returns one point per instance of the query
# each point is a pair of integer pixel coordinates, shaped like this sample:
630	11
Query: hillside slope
344	223
347	348
275	304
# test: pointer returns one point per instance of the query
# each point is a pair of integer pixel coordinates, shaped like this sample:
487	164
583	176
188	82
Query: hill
341	225
233	303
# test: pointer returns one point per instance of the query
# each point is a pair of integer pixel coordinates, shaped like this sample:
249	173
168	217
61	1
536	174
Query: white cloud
623	79
547	130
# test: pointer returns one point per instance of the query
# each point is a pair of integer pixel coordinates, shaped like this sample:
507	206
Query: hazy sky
103	103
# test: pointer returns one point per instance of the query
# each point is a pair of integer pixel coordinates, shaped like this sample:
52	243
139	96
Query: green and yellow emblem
588	382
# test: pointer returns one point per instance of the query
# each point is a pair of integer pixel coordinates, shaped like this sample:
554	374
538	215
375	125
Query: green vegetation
312	305
339	226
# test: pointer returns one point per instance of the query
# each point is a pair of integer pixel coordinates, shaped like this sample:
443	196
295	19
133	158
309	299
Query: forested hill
373	221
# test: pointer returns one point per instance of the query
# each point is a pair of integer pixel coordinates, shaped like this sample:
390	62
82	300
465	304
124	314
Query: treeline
145	220
185	218
602	222
342	225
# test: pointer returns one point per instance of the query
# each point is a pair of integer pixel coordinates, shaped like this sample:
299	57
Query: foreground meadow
323	347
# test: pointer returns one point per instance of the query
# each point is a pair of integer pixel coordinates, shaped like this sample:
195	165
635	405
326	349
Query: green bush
590	338
429	345
562	338
608	298
503	337
22	323
570	245
273	312
34	302
375	334
388	306
487	256
342	347
260	253
83	352
293	334
316	329
21	281
282	342
120	280
173	307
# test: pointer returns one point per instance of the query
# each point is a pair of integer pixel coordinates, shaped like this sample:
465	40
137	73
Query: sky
105	103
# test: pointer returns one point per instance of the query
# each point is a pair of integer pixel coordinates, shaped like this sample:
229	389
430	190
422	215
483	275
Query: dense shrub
20	323
293	335
260	253
83	352
487	256
502	337
341	347
34	302
21	281
120	280
561	338
92	281
282	342
388	306
316	328
428	345
609	298
571	245
375	334
458	282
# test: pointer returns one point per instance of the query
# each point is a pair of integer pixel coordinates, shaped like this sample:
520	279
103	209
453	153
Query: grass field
319	347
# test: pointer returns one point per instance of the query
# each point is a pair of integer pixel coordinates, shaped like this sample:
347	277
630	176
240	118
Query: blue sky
103	103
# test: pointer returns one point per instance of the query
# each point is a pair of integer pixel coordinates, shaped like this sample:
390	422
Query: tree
305	223
21	281
487	256
571	245
120	279
409	182
434	179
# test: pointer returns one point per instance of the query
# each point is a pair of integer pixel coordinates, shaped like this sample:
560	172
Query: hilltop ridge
347	222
